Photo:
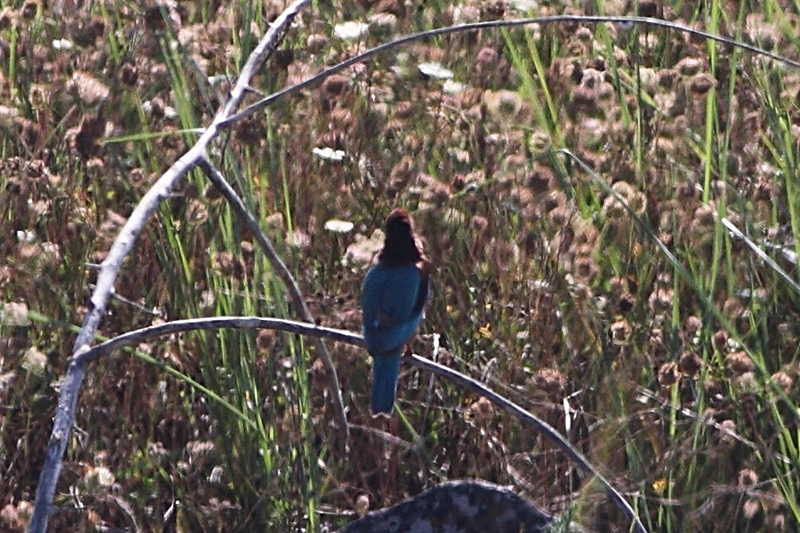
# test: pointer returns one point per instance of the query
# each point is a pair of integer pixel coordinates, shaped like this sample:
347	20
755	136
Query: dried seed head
362	505
341	119
486	58
734	309
129	74
751	508
317	42
481	410
403	109
586	268
12	518
87	135
612	207
32	137
502	104
432	190
667	78
541	179
727	427
266	339
701	84
621	331
714	388
584	35
412	144
703	217
555	199
551	381
690	364
648	8
692	324
583	100
401	173
336	84
764	191
689	66
668	374
251	131
747	478
521	196
720	341
494	10
686	190
29	9
660	300
777	522
7	18
783	380
760	32
283	58
87	89
382	24
739	363
227	264
395	7
664	147
559	216
88	32
664	280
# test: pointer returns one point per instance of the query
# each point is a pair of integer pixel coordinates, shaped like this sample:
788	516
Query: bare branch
135	337
70	389
401	41
290	326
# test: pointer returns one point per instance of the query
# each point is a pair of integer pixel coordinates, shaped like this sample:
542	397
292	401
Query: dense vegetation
577	185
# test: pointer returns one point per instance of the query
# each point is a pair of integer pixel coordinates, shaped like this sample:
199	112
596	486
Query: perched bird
392	299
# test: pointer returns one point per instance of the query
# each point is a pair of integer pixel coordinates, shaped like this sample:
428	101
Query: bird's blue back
392	299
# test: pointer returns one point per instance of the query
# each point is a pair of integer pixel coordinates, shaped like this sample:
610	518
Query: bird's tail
385	370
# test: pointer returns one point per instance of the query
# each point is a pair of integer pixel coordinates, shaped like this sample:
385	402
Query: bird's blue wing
422	293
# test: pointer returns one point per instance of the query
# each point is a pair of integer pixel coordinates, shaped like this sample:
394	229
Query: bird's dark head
399	223
400	247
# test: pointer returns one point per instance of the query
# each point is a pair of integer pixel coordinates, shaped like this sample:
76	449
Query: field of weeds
611	210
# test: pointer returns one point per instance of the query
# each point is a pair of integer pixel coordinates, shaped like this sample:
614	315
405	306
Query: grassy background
676	374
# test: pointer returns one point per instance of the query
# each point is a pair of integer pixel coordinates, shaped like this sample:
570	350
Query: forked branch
122	246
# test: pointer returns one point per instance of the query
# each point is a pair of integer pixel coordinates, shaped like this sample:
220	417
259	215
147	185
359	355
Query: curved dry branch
70	389
170	328
135	337
555	19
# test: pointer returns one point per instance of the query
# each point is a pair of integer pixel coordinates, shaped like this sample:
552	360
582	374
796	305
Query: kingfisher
392	300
